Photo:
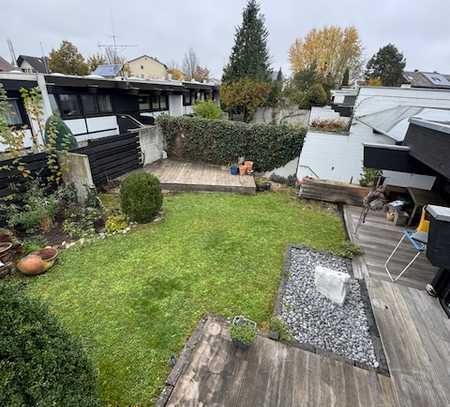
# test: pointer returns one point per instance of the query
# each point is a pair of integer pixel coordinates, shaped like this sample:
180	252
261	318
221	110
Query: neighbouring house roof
421	79
394	122
5	66
39	64
148	56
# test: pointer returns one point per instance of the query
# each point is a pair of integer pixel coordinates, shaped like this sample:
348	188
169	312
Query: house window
187	99
142	66
104	103
13	116
69	105
163	102
155	102
89	103
144	102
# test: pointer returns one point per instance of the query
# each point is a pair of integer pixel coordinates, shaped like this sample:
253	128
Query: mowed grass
134	299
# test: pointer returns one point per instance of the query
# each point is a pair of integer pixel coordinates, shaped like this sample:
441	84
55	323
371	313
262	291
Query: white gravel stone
315	320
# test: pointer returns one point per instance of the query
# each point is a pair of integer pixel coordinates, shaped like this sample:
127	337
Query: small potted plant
242	332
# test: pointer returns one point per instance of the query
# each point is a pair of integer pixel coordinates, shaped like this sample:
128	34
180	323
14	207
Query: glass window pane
155	102
13	116
163	102
69	105
89	104
144	103
104	103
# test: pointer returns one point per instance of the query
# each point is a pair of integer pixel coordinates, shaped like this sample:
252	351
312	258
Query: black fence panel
12	181
113	156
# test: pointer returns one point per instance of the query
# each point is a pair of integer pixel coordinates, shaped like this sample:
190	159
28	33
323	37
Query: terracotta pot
47	254
242	170
249	165
31	265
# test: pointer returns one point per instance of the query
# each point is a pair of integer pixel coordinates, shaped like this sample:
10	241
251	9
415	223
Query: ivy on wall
223	142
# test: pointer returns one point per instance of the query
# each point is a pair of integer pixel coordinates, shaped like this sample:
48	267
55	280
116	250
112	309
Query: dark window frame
23	122
78	115
82	112
192	98
151	98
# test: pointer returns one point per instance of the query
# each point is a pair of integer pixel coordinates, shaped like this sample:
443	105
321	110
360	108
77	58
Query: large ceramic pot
38	262
31	265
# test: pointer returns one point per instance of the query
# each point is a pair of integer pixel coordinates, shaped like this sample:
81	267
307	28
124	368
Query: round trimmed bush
140	197
40	364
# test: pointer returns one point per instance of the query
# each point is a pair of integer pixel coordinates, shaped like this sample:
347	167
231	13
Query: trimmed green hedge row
40	364
223	142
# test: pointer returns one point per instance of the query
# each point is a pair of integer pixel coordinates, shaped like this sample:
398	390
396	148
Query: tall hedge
40	364
223	141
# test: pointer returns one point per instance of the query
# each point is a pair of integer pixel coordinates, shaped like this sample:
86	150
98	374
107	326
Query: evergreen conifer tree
249	56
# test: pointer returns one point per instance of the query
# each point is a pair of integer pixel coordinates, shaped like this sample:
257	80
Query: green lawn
135	299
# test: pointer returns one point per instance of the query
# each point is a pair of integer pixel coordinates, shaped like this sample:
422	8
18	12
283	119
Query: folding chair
418	238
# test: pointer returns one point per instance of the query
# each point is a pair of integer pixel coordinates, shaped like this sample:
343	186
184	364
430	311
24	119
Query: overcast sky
167	28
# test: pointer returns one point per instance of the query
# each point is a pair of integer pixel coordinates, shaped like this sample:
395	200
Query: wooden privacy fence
10	178
113	156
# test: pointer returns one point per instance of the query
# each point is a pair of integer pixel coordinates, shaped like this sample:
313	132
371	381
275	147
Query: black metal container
438	246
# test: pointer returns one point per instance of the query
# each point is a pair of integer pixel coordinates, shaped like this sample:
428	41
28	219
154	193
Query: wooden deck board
272	374
184	176
378	237
414	329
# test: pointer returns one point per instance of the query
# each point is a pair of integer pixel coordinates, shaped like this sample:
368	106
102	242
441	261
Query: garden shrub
223	141
317	95
208	110
40	364
140	197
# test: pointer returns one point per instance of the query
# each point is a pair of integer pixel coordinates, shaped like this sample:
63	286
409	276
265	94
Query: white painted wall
76	126
152	143
176	105
188	110
339	157
334	156
289	169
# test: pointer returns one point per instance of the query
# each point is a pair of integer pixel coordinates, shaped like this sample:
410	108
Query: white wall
289	169
339	157
152	144
176	105
93	127
188	110
334	156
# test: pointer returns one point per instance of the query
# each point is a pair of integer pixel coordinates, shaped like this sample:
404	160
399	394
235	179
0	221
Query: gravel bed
315	320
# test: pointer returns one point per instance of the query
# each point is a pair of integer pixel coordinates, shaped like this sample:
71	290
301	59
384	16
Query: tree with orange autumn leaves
331	49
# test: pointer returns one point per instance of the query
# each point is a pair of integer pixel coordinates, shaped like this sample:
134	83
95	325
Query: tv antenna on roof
12	52
112	50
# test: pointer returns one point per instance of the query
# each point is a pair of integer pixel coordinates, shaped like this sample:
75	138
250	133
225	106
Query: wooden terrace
179	176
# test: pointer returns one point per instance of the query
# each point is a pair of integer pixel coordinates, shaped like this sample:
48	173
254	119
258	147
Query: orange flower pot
242	170
249	165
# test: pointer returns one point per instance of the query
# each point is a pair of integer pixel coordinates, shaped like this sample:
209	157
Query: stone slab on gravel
332	284
315	320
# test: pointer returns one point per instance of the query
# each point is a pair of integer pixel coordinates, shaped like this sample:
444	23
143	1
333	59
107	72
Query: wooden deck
414	329
183	176
270	374
378	237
